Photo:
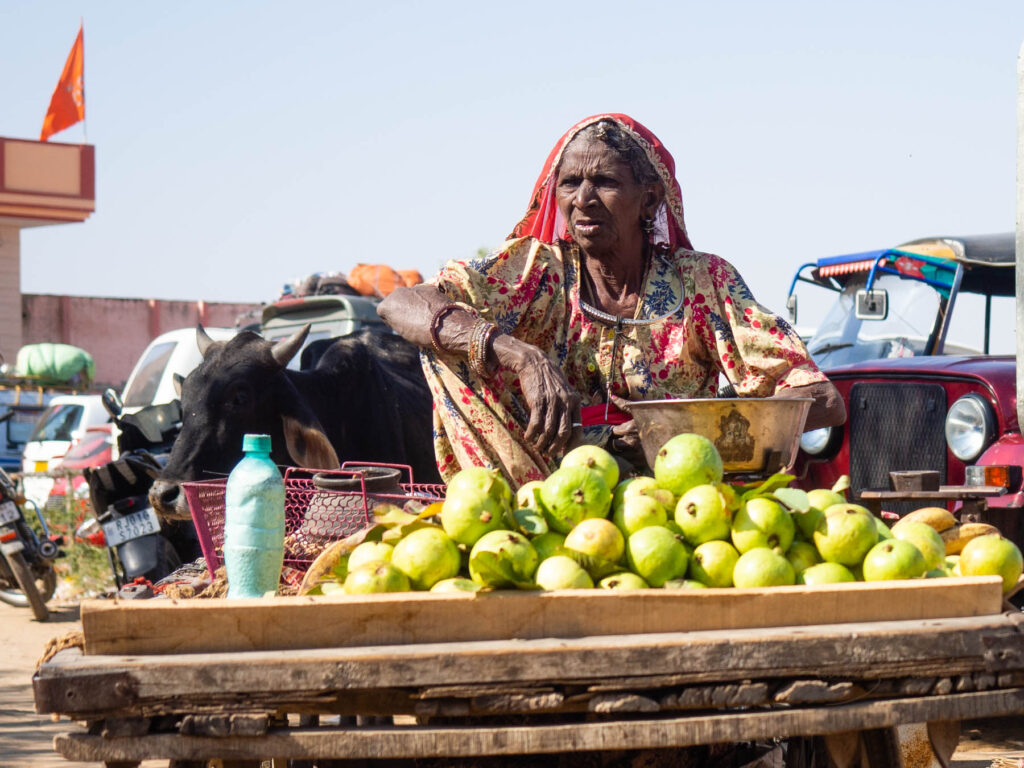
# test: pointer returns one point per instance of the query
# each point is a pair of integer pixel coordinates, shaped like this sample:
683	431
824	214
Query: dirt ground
26	738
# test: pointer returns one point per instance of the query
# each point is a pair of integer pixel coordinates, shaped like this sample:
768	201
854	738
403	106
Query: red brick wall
116	331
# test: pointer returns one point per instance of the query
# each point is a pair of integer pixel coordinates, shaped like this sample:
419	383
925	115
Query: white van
63	423
152	380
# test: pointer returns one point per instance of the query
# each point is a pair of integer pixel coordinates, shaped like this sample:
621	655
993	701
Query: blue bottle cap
256	444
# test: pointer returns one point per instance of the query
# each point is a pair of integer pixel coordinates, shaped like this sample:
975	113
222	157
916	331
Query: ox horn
284	350
203	340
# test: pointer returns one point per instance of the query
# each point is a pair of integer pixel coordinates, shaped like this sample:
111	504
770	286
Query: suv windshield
57	423
842	338
147	378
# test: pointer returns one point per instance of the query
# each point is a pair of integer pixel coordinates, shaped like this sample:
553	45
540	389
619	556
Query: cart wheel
881	748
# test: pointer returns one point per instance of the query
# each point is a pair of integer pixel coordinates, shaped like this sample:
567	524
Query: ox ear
284	350
178	380
308	446
203	340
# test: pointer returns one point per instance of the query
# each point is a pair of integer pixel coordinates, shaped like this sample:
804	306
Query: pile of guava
683	528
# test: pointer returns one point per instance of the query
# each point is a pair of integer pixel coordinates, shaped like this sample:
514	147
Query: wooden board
971	653
204	626
455	741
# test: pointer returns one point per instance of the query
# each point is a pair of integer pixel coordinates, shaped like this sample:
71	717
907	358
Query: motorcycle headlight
970	427
816	442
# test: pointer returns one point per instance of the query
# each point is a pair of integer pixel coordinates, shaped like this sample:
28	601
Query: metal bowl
753	435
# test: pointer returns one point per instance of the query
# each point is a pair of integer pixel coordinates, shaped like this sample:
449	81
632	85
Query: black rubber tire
26	580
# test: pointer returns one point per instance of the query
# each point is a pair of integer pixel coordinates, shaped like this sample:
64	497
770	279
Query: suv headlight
970	427
817	441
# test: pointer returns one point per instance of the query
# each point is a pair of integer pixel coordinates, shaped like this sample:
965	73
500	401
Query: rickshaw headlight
970	427
816	442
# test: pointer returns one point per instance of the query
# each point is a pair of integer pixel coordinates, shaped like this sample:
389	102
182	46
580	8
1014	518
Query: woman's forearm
410	311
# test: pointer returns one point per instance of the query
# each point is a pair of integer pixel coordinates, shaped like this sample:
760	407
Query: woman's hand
625	439
553	404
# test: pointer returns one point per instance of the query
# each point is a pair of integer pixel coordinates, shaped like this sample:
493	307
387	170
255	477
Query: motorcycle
27	575
140	546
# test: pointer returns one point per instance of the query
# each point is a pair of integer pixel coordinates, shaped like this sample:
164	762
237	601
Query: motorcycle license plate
8	512
133	526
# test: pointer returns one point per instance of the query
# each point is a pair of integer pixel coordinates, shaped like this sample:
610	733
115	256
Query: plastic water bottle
254	522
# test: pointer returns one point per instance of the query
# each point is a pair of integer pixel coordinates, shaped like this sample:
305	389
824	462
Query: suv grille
895	427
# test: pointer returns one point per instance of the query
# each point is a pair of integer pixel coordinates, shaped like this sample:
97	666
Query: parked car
329	315
915	400
60	426
175	352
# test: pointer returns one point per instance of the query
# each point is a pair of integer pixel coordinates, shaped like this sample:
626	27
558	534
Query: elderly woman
597	296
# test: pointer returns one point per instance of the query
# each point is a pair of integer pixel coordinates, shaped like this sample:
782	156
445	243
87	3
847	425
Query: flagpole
85	112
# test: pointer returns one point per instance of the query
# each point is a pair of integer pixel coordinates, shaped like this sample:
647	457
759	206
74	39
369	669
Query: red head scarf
543	220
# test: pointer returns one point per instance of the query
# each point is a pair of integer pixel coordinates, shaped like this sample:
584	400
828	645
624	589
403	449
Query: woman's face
600	200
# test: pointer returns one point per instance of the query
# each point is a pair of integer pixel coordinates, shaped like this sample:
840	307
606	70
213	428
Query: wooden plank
460	741
970	650
285	623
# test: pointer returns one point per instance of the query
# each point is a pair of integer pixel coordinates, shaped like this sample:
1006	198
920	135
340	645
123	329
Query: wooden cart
192	681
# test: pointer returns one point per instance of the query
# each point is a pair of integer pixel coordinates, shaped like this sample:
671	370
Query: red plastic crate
313	517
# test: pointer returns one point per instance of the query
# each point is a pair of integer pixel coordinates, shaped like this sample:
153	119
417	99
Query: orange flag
67	105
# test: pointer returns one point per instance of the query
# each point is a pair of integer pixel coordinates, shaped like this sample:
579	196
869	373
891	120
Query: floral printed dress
706	322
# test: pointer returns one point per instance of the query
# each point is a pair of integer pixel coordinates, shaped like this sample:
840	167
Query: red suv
915	400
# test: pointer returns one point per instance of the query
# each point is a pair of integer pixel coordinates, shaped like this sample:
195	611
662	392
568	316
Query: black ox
365	400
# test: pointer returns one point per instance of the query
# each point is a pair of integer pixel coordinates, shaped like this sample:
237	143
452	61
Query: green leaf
776	481
340	569
529	522
315	590
597	567
842	484
794	498
498	572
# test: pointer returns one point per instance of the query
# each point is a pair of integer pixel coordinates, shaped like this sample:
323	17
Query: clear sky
239	145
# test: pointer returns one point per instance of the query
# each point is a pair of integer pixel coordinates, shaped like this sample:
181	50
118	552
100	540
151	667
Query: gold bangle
479	344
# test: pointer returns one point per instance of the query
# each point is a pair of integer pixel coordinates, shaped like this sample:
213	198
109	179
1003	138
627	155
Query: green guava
469	514
548	543
802	555
845	534
952	565
475	480
687	460
893	559
712	563
369	551
562	572
703	515
656	555
992	555
638	511
684	584
884	531
528	495
572	494
624	580
595	458
762	522
374	577
819	499
456	584
762	567
825	573
426	556
597	538
925	538
516	559
641	485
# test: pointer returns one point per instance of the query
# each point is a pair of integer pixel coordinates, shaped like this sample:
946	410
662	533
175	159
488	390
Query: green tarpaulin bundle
55	364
